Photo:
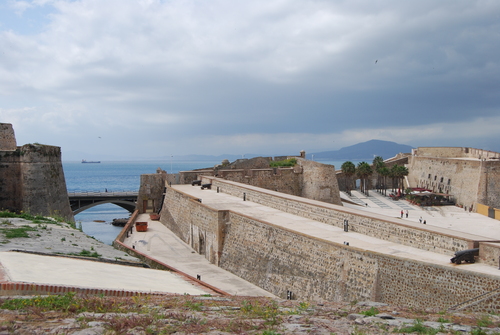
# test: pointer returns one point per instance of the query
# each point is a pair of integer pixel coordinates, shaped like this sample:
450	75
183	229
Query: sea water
114	177
119	176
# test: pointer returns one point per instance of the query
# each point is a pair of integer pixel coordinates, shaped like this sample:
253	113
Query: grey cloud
224	69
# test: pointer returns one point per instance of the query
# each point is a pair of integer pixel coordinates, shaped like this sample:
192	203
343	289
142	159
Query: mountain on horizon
361	151
364	151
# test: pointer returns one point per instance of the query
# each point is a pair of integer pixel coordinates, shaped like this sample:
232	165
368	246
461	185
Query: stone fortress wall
280	260
471	175
307	179
150	196
32	177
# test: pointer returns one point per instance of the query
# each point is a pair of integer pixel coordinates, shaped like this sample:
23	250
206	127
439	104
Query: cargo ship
85	161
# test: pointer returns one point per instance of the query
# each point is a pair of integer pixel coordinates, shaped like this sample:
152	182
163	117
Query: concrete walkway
448	217
453	217
159	243
62	271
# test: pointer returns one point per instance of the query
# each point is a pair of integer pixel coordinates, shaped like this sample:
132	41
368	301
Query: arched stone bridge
80	201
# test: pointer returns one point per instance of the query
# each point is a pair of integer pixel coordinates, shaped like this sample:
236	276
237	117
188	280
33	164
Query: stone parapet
428	238
281	260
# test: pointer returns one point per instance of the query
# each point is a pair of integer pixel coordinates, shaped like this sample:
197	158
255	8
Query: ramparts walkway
161	244
453	217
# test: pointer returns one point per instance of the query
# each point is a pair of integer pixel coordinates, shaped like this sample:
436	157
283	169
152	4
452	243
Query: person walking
407	214
420	220
401	214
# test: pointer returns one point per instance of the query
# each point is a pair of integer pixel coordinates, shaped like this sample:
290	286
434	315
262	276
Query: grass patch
484	321
30	217
267	310
19	232
87	253
371	312
286	162
417	327
68	302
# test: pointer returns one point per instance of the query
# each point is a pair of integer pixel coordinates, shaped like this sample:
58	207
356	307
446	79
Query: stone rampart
428	238
280	260
151	189
11	196
199	226
44	185
283	179
455	152
307	179
32	180
470	181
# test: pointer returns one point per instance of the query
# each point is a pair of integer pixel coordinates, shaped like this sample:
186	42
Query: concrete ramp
28	272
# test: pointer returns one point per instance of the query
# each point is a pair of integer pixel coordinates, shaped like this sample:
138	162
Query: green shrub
286	162
371	312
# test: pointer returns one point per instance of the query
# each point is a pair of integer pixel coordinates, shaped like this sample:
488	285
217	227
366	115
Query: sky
162	78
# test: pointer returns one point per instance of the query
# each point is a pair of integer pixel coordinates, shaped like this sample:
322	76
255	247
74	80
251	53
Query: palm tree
378	163
398	173
402	172
348	169
364	170
384	172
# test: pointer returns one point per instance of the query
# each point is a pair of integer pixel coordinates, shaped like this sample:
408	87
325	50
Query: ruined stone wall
428	238
199	226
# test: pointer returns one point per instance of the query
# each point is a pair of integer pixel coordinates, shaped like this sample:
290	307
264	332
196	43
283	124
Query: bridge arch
127	205
81	201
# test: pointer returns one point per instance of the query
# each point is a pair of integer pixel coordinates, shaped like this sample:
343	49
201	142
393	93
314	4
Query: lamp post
171	157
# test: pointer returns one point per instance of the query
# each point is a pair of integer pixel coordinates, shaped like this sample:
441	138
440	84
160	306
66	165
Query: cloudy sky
153	78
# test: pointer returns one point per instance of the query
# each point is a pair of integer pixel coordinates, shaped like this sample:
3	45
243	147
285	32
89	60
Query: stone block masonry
471	176
280	260
428	238
32	179
307	179
198	225
151	192
7	137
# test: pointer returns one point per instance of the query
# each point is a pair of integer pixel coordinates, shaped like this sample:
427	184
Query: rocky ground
221	315
92	315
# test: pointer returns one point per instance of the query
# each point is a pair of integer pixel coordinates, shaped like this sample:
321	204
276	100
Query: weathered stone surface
32	178
7	137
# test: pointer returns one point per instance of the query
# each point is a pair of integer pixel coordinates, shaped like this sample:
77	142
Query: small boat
119	222
85	161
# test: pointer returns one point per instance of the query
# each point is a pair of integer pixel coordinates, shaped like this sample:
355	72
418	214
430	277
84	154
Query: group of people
406	213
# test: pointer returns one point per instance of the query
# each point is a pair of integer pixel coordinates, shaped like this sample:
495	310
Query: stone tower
32	178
